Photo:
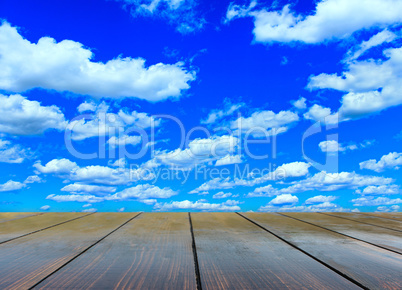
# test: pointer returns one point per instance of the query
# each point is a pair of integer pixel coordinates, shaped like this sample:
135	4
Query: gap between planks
194	247
345	218
37	231
378	246
306	253
85	250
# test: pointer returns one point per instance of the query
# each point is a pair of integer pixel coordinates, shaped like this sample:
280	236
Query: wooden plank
388	215
372	220
371	266
154	251
27	260
20	227
385	238
7	216
233	253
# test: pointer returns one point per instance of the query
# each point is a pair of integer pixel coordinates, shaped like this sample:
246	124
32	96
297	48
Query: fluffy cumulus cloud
67	66
201	205
20	116
45	207
222	194
324	181
372	201
380	190
391	160
11	186
217	115
392	208
87	198
142	192
320	199
286	170
181	13
371	85
104	123
334	146
265	123
284	199
56	166
292	207
200	151
331	20
300	104
10	153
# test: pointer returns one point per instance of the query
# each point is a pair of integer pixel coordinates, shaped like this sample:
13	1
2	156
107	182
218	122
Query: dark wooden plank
371	266
233	253
27	260
372	220
388	215
19	227
385	238
153	251
8	216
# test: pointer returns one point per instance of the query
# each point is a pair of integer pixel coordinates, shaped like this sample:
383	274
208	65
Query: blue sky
182	105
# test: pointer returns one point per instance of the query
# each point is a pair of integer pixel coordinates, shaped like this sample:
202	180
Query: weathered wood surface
236	254
391	215
372	220
385	238
153	251
7	216
27	260
19	227
371	266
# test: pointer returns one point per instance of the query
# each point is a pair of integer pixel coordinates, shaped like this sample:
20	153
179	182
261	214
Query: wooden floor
200	251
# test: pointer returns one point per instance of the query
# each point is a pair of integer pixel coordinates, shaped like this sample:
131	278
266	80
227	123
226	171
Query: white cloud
67	66
380	190
324	181
11	153
265	123
87	205
121	209
371	85
284	199
124	140
85	188
371	201
142	191
181	13
118	163
229	159
87	107
286	170
217	115
391	160
392	208
321	207
33	179
300	104
103	123
11	186
19	116
199	151
222	195
90	210
87	198
384	36
237	11
331	20
320	199
197	205
334	146
45	207
319	113
56	166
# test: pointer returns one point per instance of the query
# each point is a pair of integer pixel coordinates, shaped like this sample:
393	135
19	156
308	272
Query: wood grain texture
19	227
388	215
379	236
371	266
7	216
27	260
233	253
153	251
376	221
